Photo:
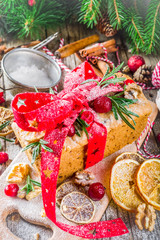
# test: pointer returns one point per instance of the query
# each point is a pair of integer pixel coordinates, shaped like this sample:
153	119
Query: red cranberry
71	131
96	191
102	104
3	157
128	81
135	62
158	137
88	117
11	190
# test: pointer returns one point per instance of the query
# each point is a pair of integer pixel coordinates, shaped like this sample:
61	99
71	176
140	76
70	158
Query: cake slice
119	134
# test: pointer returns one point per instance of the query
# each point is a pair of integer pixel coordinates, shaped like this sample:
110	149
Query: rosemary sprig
118	108
30	185
107	75
6	139
81	125
5	124
36	146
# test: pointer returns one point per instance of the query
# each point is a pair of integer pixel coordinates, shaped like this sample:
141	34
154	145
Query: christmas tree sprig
152	27
90	12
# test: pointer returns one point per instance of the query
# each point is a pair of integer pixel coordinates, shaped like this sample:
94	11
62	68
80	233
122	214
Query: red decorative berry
135	62
1	98
11	190
88	117
128	81
3	157
96	191
31	2
102	104
71	131
158	137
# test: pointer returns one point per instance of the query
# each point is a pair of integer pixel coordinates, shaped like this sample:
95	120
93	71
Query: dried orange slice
77	207
122	184
64	189
130	155
6	115
148	182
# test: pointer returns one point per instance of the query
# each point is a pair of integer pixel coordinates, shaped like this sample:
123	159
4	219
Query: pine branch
90	12
115	11
134	29
152	27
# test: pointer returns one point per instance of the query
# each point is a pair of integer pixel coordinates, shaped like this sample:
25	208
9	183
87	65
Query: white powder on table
32	76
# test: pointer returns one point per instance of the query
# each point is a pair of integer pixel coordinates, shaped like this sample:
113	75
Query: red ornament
72	131
1	98
88	117
128	81
31	2
96	191
135	62
11	190
102	104
3	157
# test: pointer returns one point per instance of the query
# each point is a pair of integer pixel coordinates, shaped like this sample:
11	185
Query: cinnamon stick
94	48
101	51
71	48
103	66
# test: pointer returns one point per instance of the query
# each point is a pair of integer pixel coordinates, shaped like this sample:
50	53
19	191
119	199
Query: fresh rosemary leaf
31	145
90	80
125	120
46	148
86	132
36	183
84	123
77	132
114	70
4	125
51	91
35	153
113	81
7	139
41	141
114	112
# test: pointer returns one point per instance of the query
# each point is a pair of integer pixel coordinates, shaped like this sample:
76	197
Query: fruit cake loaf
119	134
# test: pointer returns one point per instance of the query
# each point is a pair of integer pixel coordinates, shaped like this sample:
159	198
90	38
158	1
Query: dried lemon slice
122	184
77	207
65	188
130	155
6	115
148	182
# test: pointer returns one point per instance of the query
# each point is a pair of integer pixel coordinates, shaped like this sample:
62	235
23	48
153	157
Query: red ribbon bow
56	115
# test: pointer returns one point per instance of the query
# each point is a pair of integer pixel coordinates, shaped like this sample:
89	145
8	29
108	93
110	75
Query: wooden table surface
26	230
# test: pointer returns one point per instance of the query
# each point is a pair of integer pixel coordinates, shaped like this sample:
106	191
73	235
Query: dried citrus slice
148	182
130	155
77	207
122	184
64	189
6	115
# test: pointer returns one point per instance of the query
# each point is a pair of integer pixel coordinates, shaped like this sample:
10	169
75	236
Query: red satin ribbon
55	115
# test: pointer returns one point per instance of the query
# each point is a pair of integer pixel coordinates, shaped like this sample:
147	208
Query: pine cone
105	27
144	74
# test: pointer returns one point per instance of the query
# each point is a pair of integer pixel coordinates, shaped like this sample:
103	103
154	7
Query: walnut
37	191
84	178
145	217
18	173
132	91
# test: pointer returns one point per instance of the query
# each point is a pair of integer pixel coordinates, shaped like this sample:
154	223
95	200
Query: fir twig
116	11
152	27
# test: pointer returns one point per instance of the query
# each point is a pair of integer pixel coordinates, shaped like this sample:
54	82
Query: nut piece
43	213
18	173
36	236
21	194
145	216
84	178
37	191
